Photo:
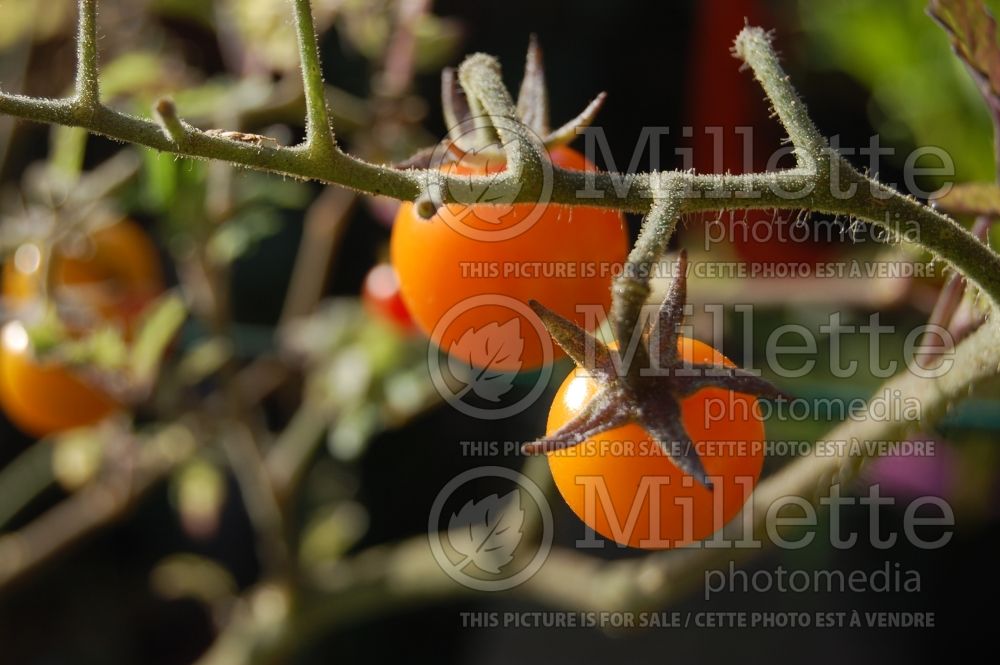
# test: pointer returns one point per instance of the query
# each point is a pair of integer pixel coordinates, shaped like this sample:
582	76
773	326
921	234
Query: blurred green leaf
366	31
438	40
159	178
198	491
104	348
160	324
174	189
222	97
973	198
256	188
351	432
198	11
203	359
23	19
331	532
362	372
132	72
193	576
921	92
242	234
67	151
266	26
76	456
47	333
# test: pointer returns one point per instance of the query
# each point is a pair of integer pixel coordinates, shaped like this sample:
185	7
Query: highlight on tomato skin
622	485
44	398
441	269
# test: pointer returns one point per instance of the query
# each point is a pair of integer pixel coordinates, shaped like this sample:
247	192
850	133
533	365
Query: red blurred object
381	296
743	136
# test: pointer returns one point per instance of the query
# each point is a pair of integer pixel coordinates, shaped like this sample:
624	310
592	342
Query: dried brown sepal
649	399
470	136
533	97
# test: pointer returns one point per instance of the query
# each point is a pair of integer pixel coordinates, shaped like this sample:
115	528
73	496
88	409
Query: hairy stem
753	46
631	289
88	94
792	189
319	133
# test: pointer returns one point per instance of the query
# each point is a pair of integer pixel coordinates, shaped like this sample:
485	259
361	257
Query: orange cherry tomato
113	272
42	398
380	294
624	487
473	269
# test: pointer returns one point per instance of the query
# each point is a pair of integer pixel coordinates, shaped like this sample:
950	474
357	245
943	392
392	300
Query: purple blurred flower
907	476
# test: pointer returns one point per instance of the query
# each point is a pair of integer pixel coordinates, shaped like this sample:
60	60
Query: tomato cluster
109	275
455	276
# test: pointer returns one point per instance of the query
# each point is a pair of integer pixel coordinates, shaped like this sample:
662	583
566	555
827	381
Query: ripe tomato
113	272
44	398
649	502
565	258
380	294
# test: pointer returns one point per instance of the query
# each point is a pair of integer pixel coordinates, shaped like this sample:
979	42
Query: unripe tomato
649	502
114	272
380	294
42	398
565	258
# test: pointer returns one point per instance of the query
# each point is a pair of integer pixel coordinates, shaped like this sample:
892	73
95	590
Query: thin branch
294	449
258	496
93	507
23	479
319	133
629	192
631	289
400	56
88	94
953	290
326	220
753	46
173	128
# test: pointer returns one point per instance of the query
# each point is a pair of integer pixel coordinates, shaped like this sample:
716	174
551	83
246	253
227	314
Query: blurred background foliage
319	366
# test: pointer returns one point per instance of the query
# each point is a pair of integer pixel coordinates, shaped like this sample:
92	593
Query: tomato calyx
473	142
649	399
